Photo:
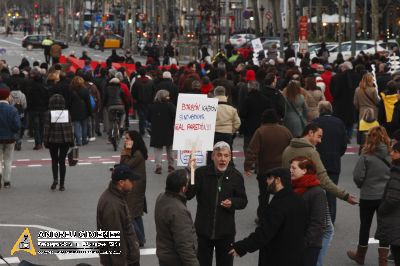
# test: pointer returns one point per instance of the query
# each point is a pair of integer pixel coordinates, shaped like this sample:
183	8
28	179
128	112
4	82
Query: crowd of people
295	120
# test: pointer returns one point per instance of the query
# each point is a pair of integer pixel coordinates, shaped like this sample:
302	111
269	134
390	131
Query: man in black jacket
332	148
219	190
269	90
280	236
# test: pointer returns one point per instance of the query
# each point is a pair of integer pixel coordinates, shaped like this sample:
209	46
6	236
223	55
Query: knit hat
4	92
167	75
283	174
115	81
250	75
123	172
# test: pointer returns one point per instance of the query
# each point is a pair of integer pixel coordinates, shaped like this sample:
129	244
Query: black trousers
263	197
396	254
367	211
58	153
222	247
311	256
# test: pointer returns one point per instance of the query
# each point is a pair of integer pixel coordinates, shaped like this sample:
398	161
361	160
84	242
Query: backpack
92	102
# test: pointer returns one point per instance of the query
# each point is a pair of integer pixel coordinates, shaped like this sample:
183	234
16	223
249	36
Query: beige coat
361	101
228	120
312	101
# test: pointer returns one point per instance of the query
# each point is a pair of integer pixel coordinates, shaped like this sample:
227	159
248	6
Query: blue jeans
143	123
38	126
326	242
80	132
331	198
139	229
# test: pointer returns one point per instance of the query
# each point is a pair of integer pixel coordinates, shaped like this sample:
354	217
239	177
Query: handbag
73	156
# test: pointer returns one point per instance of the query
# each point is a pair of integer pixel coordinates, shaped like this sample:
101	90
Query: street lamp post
262	9
346	10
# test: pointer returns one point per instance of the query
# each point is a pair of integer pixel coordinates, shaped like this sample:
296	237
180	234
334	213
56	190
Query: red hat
250	75
4	92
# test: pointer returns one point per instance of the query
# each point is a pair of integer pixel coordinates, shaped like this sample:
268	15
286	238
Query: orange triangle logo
24	243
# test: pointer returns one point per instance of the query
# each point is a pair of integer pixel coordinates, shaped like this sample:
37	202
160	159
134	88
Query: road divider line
108	162
23	160
10	260
34	165
84	163
94	157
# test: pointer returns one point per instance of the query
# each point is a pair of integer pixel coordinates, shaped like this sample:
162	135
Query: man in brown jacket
265	152
305	146
113	215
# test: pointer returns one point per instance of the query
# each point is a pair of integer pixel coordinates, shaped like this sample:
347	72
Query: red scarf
303	183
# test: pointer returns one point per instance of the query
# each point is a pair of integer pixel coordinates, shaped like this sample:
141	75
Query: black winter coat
168	85
251	111
143	90
37	97
334	142
211	188
280	236
389	211
80	105
276	100
162	118
343	86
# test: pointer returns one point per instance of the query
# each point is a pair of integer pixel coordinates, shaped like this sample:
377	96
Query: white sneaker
92	139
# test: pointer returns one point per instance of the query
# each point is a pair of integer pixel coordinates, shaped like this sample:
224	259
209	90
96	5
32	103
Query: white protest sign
184	156
195	123
257	45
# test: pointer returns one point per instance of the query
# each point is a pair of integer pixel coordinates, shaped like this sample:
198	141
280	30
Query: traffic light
36	5
36	16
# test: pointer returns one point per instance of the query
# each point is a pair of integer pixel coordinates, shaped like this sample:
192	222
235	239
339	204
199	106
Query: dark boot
62	188
54	185
383	256
359	255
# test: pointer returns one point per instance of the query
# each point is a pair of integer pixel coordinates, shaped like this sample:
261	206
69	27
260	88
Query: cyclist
114	99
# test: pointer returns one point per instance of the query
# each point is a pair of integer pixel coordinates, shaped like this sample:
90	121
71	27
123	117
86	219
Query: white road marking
116	156
30	140
46	159
23	160
10	260
13	43
350	153
108	162
34	165
13	166
84	163
94	157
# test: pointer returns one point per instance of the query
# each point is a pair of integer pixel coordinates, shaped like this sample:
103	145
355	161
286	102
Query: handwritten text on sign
195	123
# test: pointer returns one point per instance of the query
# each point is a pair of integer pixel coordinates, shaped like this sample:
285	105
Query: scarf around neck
301	185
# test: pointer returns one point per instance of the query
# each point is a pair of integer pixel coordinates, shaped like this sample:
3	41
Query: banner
183	158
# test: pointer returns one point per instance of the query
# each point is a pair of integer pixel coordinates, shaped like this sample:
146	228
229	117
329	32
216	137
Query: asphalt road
15	51
30	202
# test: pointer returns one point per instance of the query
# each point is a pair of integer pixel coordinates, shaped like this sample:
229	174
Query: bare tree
375	19
256	16
319	19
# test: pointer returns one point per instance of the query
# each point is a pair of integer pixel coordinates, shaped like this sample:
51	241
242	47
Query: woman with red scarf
305	183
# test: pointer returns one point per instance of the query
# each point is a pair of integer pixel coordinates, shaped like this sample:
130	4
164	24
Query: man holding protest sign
219	190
